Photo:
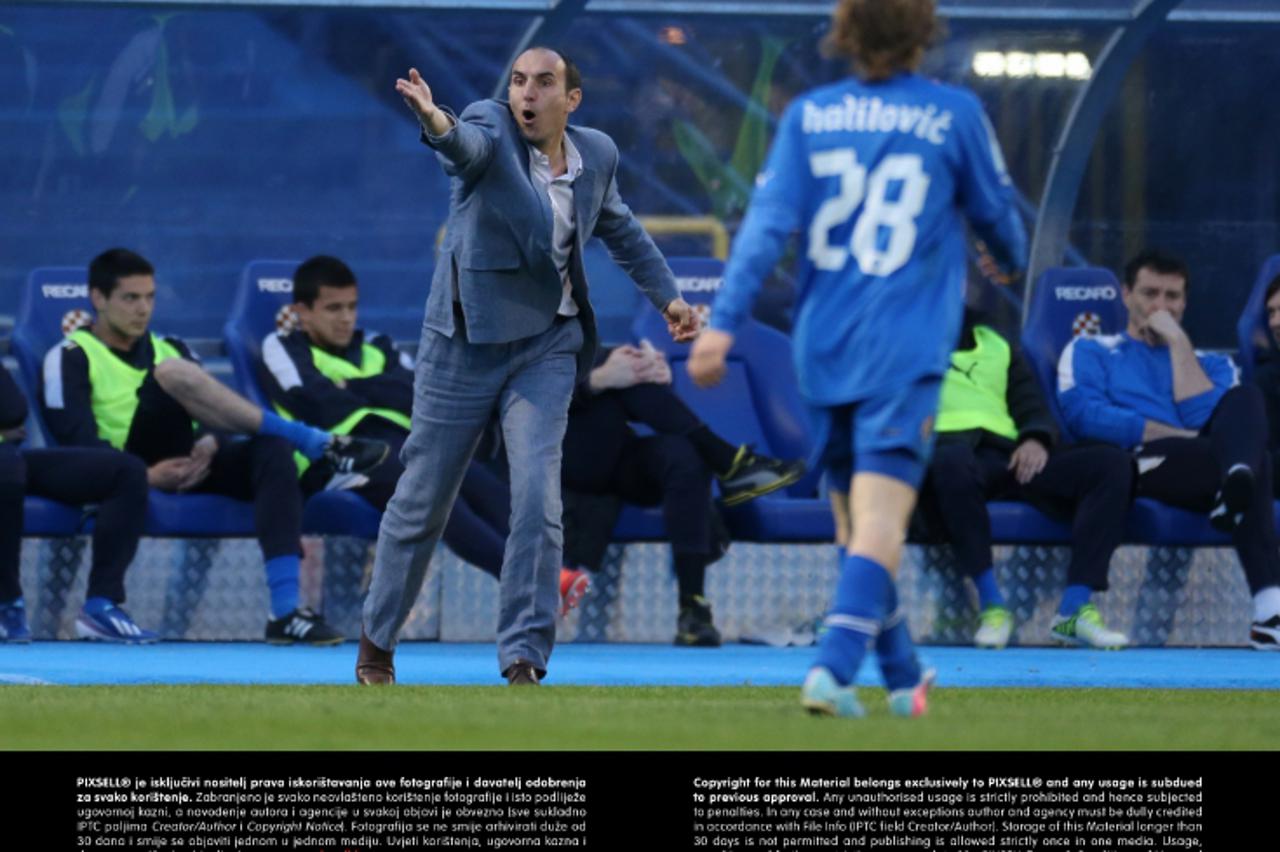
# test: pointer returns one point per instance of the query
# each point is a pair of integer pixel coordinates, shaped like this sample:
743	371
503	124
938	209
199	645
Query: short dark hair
318	271
106	270
1158	261
882	37
572	76
1271	290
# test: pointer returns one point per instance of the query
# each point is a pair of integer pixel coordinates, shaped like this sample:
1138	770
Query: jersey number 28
897	216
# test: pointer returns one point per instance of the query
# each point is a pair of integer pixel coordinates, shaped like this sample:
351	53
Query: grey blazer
496	255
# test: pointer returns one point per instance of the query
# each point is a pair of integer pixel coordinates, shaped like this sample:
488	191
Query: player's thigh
874	456
1073	472
889	434
85	474
892	439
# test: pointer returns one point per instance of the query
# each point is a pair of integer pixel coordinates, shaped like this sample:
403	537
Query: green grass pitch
621	718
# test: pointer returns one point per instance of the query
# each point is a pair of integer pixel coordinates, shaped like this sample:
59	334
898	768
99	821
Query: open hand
1028	460
417	94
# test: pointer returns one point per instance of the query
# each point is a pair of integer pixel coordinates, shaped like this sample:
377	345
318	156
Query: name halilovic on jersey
873	115
874	177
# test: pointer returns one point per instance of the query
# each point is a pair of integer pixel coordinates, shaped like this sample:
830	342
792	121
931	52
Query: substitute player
873	171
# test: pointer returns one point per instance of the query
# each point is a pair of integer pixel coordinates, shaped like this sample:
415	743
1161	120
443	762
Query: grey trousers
457	387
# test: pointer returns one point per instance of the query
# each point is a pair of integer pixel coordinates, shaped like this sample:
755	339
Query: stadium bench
260	306
757	403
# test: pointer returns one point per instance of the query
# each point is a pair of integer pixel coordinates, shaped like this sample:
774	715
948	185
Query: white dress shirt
559	191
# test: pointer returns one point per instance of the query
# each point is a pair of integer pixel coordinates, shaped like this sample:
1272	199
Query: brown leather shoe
521	673
374	666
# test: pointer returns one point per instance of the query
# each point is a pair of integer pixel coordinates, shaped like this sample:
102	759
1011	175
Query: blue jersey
874	177
1109	387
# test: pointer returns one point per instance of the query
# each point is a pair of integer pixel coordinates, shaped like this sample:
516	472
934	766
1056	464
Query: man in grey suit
508	328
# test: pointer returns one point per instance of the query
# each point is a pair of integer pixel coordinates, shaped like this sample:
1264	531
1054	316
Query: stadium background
208	135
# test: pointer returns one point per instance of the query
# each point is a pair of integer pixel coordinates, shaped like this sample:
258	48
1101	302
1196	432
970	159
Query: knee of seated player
951	457
952	468
682	467
130	476
1246	391
1244	402
1115	467
273	467
179	378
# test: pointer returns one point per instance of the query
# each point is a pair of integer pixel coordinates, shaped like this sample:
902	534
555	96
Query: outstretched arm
464	144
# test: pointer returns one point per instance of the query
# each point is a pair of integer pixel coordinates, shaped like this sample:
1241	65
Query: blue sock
282	581
894	648
96	606
308	440
855	617
1074	597
988	591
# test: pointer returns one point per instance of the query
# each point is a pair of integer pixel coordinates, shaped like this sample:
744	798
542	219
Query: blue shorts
891	434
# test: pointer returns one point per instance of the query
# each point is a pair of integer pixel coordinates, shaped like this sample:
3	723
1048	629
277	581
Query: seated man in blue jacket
995	440
1198	435
116	481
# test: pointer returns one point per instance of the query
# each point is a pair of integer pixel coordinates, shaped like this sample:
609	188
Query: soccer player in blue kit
874	171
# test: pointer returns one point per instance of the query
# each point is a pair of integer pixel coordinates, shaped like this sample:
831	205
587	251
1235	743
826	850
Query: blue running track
68	663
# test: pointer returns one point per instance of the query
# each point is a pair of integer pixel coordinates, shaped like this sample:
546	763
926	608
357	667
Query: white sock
1266	603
